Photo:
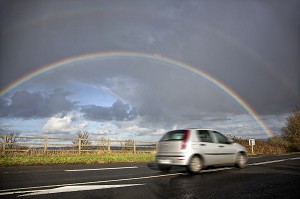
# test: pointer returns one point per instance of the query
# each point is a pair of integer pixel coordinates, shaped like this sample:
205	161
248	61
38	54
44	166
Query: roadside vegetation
75	159
291	132
272	146
288	142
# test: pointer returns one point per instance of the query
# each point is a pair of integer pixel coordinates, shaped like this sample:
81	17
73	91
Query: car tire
195	165
241	160
164	168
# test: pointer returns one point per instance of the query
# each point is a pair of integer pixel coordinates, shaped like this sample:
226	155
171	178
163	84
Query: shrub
291	132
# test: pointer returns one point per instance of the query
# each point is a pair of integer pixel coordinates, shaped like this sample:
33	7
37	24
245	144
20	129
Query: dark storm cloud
28	105
3	103
118	111
159	92
252	46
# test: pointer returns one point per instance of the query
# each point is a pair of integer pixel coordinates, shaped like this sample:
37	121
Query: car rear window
174	135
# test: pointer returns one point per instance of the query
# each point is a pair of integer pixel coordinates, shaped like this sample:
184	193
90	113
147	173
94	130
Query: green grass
74	159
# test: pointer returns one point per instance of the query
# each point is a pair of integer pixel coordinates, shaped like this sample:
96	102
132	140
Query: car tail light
185	139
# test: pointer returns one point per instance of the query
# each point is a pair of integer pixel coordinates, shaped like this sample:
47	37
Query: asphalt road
264	177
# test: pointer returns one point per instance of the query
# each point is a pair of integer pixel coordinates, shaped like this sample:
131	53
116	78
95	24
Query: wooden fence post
99	147
4	145
79	146
45	145
108	145
134	147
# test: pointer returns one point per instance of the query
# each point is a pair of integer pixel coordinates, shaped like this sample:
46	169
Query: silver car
198	148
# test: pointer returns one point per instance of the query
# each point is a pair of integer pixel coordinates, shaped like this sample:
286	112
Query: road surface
264	177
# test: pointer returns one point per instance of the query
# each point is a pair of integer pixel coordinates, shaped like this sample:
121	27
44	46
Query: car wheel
164	168
241	160
195	165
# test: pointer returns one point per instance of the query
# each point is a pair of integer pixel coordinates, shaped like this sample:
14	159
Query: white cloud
134	128
58	125
5	125
141	127
83	125
160	131
64	124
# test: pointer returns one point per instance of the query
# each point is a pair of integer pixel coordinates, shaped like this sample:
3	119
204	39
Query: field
75	159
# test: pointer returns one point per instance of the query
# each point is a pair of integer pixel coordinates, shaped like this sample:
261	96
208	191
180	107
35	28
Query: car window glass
204	136
221	138
174	135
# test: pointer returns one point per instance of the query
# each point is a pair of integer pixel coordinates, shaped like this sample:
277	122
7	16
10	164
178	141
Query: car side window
204	136
221	138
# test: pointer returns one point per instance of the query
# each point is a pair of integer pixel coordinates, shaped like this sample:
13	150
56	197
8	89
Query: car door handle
221	146
202	144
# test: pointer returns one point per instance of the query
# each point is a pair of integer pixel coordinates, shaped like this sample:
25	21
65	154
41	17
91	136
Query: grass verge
74	159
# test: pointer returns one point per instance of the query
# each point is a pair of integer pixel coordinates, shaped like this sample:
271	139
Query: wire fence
29	145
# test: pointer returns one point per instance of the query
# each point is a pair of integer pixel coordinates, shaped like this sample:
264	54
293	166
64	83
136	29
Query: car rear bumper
179	160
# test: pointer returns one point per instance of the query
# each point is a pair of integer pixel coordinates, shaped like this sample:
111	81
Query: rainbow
154	57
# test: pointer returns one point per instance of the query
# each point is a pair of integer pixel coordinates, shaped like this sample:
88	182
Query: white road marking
214	170
283	154
22	190
102	169
255	157
273	161
76	188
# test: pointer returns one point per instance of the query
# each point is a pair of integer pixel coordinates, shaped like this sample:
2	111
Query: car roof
205	129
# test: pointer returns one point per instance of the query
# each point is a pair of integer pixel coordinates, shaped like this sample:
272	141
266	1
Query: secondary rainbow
154	57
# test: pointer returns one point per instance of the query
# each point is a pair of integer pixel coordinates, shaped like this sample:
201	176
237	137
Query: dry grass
75	159
272	146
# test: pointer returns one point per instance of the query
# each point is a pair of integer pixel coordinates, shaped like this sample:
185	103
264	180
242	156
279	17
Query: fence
28	145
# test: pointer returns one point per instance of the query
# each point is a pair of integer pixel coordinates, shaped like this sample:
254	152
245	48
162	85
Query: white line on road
283	154
255	157
101	169
76	188
273	161
214	170
20	190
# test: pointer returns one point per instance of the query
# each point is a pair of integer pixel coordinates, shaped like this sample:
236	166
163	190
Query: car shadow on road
182	169
176	169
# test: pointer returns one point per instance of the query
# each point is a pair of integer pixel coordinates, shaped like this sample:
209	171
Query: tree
83	137
291	132
11	139
103	142
127	145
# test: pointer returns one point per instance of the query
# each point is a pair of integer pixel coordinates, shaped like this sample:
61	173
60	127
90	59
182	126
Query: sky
135	69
